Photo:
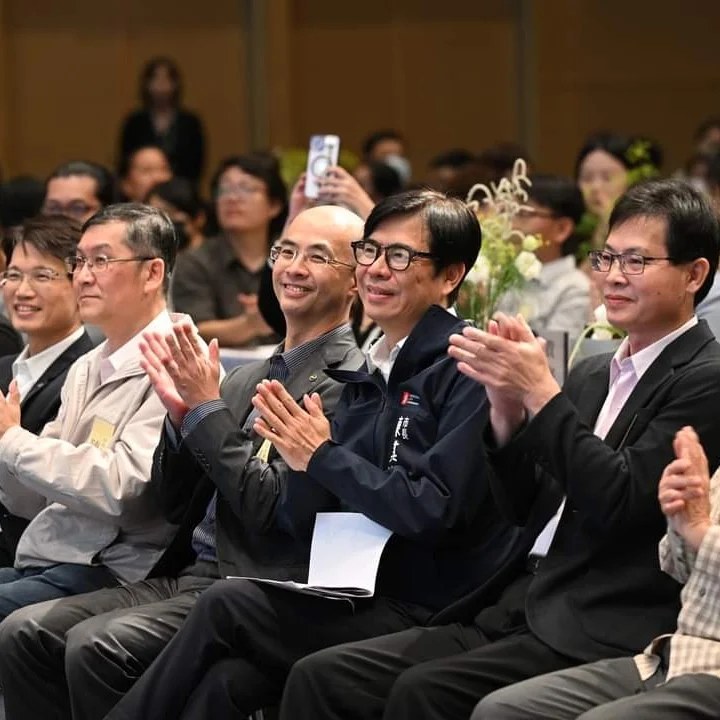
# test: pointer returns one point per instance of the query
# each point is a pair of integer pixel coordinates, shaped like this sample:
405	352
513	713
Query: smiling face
45	307
397	299
314	294
660	300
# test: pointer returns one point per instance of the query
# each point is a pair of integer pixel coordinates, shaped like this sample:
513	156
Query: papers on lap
344	558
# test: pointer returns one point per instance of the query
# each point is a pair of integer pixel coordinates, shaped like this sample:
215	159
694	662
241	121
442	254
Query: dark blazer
38	407
600	591
219	454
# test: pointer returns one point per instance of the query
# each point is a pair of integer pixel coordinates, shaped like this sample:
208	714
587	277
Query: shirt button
702	592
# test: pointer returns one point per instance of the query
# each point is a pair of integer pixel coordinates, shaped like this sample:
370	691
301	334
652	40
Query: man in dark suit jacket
217	479
40	300
595	590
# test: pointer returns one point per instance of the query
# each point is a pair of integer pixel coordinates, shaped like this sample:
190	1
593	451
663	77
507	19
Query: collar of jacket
427	341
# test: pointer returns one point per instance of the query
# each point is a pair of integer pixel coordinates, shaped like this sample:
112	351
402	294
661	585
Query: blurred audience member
142	169
709	308
181	201
163	121
454	172
606	166
707	136
78	190
559	299
497	161
378	179
41	302
217	283
388	146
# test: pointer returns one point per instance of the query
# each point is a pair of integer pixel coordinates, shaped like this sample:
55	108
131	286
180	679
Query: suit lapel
678	353
82	345
594	392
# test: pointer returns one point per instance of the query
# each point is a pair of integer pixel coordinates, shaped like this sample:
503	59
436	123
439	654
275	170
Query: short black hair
266	167
149	70
455	158
454	234
21	198
498	160
104	180
54	235
385	179
563	198
693	228
619	146
559	194
375	138
149	231
180	193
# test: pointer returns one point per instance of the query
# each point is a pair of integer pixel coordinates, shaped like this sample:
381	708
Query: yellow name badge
101	433
263	452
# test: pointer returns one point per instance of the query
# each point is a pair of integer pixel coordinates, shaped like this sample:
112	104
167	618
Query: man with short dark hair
86	475
399	452
78	189
591	587
41	302
225	512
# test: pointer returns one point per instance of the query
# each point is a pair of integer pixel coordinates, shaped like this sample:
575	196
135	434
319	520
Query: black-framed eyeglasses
630	263
397	257
316	256
37	276
99	263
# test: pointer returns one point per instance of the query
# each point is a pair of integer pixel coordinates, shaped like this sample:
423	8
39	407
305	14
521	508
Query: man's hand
298	201
684	489
509	360
9	409
296	433
340	187
254	319
155	355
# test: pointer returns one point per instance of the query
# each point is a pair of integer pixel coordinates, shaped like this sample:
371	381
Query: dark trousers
76	657
437	672
233	653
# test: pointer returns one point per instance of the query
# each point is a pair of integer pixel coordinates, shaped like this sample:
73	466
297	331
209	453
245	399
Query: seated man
678	675
40	299
226	512
592	588
398	452
85	477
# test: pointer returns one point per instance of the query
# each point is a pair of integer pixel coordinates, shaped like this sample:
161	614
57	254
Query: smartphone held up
323	152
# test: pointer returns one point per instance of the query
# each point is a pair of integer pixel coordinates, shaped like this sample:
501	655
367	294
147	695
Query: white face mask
401	165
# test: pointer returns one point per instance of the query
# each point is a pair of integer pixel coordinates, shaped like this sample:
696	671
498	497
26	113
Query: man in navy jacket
402	450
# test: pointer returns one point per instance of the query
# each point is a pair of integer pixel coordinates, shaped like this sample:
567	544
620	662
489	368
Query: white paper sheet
344	557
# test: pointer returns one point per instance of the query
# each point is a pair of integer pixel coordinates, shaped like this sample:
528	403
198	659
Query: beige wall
451	73
68	73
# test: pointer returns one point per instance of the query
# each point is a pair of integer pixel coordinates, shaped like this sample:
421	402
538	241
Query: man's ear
453	275
565	228
698	272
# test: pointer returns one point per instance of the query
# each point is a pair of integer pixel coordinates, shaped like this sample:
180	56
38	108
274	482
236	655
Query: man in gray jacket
84	479
217	480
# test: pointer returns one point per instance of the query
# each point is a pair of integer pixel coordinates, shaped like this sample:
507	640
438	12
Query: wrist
694	534
540	396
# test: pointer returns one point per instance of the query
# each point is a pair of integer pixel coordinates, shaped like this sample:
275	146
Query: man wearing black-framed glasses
591	587
401	451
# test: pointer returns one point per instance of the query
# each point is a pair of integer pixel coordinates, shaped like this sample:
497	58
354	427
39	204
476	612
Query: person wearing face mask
180	200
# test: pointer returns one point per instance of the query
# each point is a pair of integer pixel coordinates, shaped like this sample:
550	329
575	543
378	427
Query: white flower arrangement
507	259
